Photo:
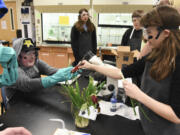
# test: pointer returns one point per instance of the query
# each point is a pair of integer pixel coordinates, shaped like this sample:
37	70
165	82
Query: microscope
111	87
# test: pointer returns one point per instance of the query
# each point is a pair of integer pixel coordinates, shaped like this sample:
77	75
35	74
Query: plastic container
113	104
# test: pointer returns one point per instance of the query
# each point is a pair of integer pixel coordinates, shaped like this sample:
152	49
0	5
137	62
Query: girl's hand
131	90
15	131
85	64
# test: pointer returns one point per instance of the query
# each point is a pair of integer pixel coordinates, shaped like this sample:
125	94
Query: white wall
61	2
73	6
86	2
120	2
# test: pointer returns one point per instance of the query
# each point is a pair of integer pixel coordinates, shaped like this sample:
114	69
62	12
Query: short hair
164	16
137	13
164	2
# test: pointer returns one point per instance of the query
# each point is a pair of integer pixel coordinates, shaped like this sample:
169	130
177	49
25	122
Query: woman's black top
82	42
166	91
134	40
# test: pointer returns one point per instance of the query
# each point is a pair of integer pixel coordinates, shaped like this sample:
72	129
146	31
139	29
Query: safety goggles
27	59
28	55
84	14
148	37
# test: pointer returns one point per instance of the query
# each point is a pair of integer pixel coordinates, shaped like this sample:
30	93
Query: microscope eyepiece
111	87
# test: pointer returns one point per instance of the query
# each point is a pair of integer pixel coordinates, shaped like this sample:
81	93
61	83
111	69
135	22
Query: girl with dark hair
83	36
159	93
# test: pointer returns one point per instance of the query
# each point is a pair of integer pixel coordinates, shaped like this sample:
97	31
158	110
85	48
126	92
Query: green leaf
81	99
100	86
84	107
133	105
145	115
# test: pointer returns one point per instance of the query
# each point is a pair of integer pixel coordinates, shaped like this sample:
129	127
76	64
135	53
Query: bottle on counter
113	104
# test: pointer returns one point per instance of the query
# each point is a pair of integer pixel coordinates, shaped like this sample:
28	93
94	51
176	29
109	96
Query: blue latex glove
63	74
8	61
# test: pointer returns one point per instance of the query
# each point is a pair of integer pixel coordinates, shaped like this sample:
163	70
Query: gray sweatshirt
29	79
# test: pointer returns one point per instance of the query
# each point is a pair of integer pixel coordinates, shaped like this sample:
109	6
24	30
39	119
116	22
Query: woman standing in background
83	36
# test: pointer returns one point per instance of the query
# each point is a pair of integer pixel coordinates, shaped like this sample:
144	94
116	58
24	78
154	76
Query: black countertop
34	110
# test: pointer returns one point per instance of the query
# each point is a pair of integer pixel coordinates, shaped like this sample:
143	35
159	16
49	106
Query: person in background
164	2
159	93
133	36
30	69
176	4
83	36
9	76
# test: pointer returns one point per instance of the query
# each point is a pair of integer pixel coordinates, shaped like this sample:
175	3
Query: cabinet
70	55
58	57
45	54
61	57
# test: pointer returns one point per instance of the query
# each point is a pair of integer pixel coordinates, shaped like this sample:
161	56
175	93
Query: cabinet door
46	57
9	22
70	56
60	60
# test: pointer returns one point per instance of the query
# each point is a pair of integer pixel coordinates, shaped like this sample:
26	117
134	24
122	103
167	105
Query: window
56	27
